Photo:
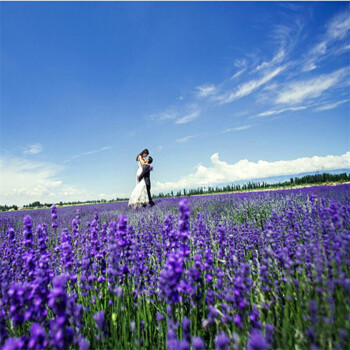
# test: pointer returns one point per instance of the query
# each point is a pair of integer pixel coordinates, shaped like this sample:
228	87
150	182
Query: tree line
304	180
38	205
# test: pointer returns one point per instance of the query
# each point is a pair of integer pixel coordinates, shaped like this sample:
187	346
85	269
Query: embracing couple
141	195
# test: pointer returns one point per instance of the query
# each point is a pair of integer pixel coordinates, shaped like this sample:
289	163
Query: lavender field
262	270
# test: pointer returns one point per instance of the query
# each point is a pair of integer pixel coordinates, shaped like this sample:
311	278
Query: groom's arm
145	170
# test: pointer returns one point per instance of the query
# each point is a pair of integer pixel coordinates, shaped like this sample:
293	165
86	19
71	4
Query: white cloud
205	90
185	139
279	111
331	105
238	128
309	66
249	87
240	63
266	79
222	172
320	48
238	74
188	117
299	91
288	34
242	66
181	115
24	181
339	26
87	153
33	149
336	30
345	48
278	58
169	114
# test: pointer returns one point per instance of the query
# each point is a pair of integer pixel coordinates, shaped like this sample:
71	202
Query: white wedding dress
139	197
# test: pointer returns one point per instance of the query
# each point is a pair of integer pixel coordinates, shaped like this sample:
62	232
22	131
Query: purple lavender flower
28	234
83	344
254	317
14	344
256	341
186	329
38	337
173	342
269	331
54	215
169	278
159	317
101	323
313	311
198	343
184	226
184	345
222	341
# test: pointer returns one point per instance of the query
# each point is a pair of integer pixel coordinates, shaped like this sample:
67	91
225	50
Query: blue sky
217	91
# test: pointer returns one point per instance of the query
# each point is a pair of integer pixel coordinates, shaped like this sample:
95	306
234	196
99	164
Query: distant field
206	194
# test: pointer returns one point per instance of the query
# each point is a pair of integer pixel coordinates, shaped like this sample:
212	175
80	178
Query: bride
139	197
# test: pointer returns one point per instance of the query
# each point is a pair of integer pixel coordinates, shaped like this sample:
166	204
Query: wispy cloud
33	149
87	153
298	91
238	128
279	111
247	88
278	58
185	139
223	172
188	117
180	115
191	137
169	114
240	63
242	66
205	90
287	34
278	80
331	105
238	73
294	6
336	30
339	26
309	66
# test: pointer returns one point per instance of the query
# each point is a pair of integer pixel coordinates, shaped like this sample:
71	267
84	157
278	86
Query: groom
146	169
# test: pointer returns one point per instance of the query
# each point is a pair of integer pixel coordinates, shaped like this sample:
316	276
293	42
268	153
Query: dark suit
146	175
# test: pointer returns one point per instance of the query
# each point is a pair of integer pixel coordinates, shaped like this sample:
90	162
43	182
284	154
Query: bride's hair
144	151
